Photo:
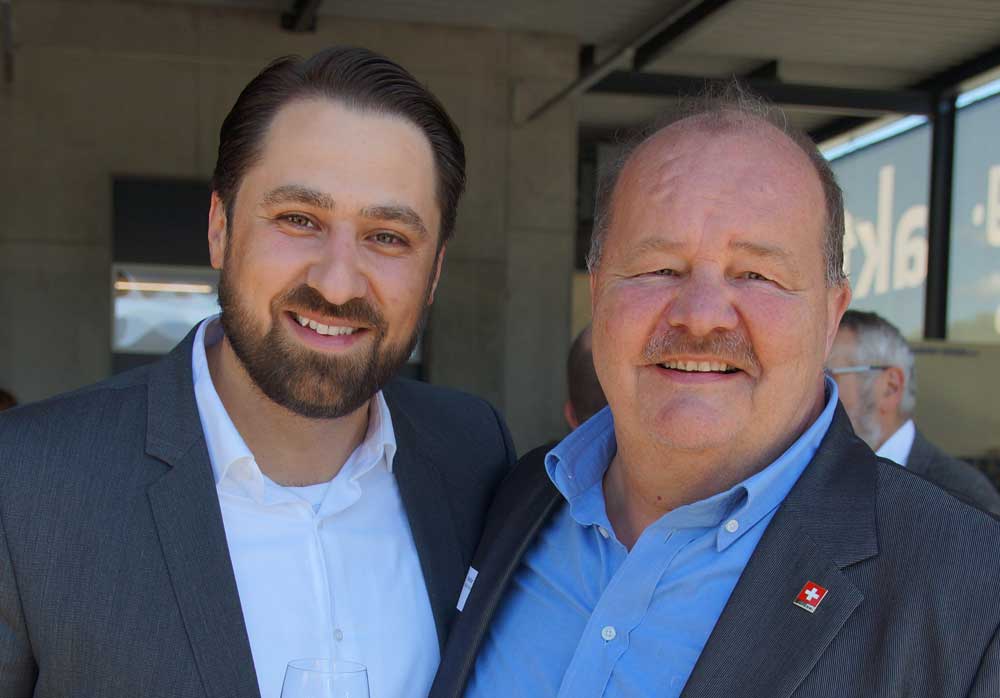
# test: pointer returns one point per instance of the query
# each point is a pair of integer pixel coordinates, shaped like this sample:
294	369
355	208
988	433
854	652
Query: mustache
357	309
733	348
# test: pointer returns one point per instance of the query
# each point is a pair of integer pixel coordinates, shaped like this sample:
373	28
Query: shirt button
732	525
603	531
608	633
339	634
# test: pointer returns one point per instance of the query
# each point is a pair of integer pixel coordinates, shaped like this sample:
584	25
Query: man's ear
217	231
438	264
890	390
569	414
838	299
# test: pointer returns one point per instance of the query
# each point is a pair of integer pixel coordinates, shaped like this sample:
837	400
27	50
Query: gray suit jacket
958	477
912	574
115	576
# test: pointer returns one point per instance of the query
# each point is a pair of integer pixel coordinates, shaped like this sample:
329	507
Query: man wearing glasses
873	367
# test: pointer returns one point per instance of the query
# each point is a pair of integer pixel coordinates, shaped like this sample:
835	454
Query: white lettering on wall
898	256
993	206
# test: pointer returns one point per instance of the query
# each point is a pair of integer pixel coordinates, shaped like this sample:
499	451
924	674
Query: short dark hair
726	106
585	392
7	400
358	78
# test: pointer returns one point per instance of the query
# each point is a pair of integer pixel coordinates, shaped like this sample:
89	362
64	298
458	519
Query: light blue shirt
586	618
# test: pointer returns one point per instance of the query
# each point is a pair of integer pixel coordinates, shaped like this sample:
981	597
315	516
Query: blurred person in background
586	398
874	368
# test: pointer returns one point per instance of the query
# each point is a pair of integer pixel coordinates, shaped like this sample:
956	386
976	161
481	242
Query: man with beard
873	366
266	492
720	530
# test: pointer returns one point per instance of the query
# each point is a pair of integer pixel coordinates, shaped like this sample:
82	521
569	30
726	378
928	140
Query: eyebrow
399	213
652	244
296	193
764	251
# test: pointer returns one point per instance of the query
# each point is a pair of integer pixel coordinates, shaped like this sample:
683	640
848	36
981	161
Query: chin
694	430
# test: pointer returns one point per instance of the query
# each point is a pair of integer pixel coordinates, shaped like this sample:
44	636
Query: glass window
974	263
885	244
156	305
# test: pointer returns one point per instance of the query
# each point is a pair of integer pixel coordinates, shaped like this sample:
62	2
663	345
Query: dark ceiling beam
847	99
302	17
765	71
942	83
656	45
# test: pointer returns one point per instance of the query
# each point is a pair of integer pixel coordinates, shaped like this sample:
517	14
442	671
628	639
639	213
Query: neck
640	487
289	449
647	479
890	424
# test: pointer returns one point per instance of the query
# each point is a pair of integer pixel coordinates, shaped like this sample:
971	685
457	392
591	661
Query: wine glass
325	678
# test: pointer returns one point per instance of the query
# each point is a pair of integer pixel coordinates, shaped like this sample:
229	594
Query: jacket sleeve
987	683
18	670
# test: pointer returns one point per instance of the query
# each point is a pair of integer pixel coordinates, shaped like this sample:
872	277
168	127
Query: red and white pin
810	597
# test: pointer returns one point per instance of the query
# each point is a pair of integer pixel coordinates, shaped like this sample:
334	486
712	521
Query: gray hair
726	107
880	343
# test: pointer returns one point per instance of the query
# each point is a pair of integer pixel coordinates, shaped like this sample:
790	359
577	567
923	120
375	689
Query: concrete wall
105	88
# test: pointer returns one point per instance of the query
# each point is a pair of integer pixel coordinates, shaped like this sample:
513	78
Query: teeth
330	330
698	366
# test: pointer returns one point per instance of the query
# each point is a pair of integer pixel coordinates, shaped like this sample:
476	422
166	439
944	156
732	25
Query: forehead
345	152
748	179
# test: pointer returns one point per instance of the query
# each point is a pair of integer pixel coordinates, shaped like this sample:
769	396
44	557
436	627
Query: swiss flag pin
810	597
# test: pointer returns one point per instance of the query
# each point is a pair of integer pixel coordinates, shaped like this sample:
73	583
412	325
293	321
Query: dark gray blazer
958	477
115	576
912	573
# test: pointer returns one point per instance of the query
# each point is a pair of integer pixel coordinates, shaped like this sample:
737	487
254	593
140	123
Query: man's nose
703	304
338	274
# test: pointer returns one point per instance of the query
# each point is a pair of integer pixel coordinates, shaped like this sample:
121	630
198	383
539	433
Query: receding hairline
724	122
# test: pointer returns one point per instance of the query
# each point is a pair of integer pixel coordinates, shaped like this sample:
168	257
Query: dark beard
306	382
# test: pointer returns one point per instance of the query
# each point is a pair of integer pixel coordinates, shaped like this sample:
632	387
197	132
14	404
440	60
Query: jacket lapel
426	501
921	456
511	527
189	523
764	645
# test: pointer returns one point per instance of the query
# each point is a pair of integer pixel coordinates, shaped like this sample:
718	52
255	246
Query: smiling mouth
326	330
699	366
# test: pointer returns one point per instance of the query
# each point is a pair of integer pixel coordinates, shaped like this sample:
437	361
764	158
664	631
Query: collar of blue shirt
576	467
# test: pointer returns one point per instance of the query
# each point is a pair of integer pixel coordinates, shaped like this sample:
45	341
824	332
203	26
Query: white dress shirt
329	570
897	447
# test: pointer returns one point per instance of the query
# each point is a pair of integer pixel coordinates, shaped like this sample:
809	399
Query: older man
721	531
873	366
267	492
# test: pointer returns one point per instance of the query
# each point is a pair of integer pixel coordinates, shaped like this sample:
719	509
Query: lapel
921	455
428	508
763	645
526	501
189	523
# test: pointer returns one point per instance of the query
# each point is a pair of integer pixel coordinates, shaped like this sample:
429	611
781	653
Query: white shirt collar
897	447
233	464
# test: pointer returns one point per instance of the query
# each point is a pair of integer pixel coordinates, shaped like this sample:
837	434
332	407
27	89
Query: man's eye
298	219
386	238
664	272
754	276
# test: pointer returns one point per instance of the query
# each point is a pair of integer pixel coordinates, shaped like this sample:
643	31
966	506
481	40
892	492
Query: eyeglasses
855	369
